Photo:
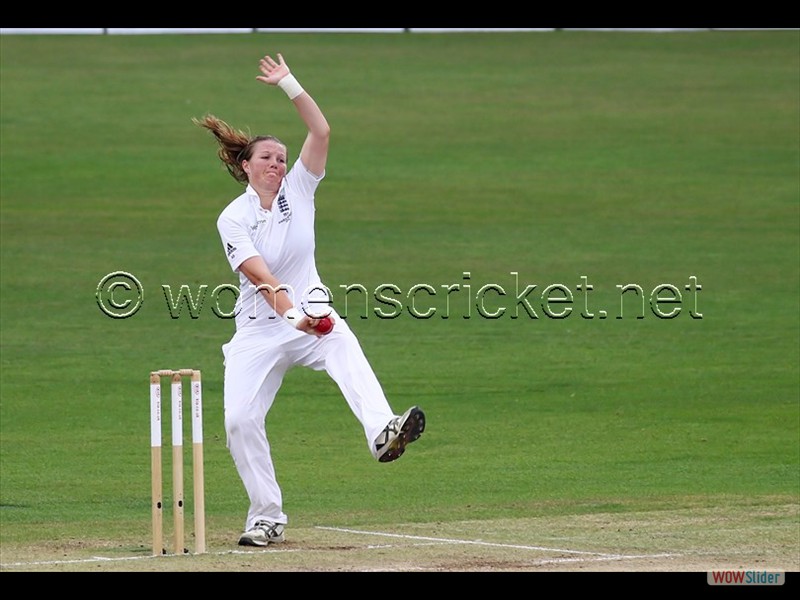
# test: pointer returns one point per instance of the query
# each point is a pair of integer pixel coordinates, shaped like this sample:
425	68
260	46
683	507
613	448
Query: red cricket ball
324	325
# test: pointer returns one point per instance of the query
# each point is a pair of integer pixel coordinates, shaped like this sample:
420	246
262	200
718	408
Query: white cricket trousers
254	370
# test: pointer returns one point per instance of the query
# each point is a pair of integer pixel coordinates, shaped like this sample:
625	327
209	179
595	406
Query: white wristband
293	317
291	86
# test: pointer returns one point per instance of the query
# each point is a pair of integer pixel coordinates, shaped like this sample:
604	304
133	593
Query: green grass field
474	161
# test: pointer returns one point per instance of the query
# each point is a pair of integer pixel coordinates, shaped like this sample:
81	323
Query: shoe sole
410	431
248	542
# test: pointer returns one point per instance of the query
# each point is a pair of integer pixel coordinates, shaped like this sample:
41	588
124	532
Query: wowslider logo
745	577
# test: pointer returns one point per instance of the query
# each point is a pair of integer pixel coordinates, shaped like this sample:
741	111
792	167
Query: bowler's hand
272	71
308	325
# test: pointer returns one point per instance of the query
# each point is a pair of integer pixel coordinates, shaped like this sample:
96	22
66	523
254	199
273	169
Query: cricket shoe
262	533
401	431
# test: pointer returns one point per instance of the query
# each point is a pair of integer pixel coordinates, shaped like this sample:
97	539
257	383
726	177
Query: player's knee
240	420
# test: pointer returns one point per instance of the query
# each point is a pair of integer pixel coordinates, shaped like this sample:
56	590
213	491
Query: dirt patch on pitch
689	539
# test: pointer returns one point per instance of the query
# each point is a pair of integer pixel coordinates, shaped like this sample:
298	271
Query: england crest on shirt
283	208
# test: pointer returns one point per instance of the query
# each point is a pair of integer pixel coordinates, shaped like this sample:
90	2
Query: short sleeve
236	240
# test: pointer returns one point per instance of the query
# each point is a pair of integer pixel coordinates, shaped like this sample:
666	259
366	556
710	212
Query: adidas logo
230	249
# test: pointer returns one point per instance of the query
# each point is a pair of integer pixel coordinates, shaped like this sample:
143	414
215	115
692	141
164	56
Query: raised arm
314	152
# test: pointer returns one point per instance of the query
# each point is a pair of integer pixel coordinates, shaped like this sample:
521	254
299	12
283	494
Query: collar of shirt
255	199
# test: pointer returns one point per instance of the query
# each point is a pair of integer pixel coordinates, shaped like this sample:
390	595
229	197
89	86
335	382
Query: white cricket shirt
284	238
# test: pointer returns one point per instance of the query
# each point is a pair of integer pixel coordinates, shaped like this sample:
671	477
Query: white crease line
74	562
92	559
496	545
547	561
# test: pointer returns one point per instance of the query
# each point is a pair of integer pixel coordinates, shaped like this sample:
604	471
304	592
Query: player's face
267	165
